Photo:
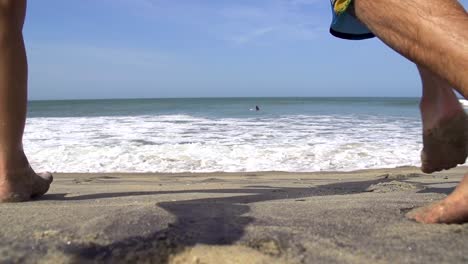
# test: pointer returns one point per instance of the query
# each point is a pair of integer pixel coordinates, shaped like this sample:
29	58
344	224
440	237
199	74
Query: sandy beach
255	217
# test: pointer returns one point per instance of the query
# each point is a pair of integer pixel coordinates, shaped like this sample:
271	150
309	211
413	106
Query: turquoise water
225	107
223	134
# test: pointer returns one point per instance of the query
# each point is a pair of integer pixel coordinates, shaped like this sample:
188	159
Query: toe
413	214
42	183
46	176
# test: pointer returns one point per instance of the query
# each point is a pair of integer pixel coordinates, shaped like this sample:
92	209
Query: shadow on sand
209	221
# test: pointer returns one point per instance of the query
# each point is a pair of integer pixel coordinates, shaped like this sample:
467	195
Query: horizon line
216	97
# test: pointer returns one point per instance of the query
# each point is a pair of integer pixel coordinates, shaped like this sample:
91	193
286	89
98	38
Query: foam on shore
184	143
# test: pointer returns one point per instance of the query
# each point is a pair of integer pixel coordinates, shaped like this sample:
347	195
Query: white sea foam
464	103
182	143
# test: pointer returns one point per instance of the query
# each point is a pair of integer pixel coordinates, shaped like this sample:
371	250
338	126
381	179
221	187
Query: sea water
223	134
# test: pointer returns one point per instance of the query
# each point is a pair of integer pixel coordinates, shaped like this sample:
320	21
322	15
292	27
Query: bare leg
444	134
431	33
434	35
445	125
18	182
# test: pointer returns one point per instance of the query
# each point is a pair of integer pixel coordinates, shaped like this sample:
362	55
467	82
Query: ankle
13	163
441	107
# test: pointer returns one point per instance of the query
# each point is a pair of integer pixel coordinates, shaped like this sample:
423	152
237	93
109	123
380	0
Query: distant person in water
257	108
433	34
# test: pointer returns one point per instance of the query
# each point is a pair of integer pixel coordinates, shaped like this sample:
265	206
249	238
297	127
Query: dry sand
259	217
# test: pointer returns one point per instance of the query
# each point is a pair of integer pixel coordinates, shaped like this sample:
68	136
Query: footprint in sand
93	179
393	186
400	176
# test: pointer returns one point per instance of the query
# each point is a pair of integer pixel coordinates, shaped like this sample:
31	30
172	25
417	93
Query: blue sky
202	48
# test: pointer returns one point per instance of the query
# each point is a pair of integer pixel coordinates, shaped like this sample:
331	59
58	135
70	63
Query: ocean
223	134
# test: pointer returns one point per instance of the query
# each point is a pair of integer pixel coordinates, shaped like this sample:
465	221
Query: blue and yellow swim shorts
344	24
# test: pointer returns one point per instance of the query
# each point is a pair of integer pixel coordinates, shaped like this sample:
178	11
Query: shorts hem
351	36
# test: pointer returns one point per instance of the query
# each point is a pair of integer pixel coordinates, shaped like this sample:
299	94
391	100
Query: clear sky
202	48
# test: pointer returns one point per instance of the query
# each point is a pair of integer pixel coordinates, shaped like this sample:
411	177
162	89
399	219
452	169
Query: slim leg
18	182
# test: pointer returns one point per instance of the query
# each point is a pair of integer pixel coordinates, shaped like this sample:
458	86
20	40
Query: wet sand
256	217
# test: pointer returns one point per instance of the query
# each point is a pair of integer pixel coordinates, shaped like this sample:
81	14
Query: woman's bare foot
451	210
23	185
445	144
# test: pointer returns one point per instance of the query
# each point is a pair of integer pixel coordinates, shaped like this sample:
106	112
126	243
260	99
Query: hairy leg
434	35
18	182
445	125
445	135
431	33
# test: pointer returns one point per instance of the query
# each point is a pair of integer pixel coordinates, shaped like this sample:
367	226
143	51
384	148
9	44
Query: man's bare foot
23	185
445	144
445	125
451	210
